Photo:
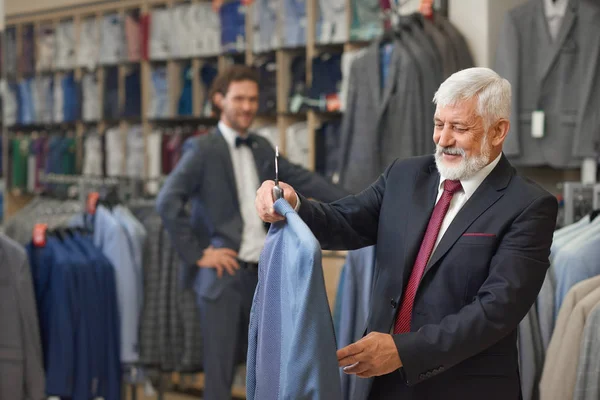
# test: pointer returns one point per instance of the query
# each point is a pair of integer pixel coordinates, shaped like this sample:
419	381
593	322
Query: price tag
296	103
333	102
537	124
92	202
39	235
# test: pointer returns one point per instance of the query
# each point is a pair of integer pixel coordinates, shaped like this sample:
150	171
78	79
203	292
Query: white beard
467	167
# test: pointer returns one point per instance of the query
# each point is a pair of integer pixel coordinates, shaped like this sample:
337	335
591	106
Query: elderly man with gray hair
462	251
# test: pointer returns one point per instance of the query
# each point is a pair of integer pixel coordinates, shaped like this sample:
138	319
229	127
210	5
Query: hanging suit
559	77
21	359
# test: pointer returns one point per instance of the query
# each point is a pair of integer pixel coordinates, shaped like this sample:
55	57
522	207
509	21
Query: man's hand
264	200
219	259
375	354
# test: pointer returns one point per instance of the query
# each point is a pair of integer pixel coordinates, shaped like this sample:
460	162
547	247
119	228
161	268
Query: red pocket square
479	234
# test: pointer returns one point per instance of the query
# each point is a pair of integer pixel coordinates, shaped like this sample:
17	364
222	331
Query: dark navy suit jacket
479	283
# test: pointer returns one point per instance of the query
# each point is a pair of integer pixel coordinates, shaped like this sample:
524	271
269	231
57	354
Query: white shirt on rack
469	186
247	183
555	11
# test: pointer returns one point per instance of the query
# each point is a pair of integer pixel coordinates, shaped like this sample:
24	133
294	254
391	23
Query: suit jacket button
393	303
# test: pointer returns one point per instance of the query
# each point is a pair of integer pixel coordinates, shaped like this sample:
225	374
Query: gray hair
493	93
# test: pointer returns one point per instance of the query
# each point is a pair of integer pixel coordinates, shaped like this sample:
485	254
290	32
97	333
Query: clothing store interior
114	205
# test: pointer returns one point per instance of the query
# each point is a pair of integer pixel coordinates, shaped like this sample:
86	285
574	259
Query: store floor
167	396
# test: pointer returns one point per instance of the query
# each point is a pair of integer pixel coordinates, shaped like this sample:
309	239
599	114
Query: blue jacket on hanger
291	342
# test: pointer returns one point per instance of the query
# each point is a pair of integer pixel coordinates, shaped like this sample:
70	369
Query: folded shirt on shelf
89	44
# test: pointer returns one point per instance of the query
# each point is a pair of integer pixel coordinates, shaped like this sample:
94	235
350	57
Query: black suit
205	178
475	288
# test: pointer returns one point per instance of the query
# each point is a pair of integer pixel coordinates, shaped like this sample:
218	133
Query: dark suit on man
204	178
475	288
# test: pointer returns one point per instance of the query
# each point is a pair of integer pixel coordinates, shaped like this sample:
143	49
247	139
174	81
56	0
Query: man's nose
446	137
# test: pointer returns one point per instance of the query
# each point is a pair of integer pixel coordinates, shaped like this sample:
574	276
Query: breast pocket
473	253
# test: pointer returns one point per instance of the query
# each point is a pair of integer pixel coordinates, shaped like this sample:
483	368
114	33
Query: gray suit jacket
205	180
380	125
462	55
21	362
560	78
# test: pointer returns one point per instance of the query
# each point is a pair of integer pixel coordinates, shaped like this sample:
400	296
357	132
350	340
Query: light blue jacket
291	343
354	310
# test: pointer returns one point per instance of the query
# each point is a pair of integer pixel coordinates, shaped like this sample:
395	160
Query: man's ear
218	100
499	131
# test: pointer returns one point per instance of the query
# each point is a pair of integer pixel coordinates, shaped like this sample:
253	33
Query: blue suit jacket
291	343
57	299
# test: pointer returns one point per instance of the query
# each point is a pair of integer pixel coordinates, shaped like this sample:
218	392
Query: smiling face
463	146
239	104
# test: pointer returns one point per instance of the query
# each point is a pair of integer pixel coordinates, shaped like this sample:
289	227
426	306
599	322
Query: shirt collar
470	185
555	8
228	133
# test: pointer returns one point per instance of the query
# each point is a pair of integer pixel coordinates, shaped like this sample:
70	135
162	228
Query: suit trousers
225	322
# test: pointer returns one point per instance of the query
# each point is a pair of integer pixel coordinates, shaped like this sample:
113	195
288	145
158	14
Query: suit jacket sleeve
180	186
507	66
34	377
310	183
515	277
347	224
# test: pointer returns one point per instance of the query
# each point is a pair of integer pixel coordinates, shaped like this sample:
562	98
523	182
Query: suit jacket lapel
265	165
423	201
222	149
489	192
565	27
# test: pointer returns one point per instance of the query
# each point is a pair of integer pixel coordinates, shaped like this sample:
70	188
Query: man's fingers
230	269
229	252
350	350
347	361
357	368
231	260
219	270
232	265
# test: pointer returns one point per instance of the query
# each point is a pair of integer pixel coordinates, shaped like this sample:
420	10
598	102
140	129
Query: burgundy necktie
402	324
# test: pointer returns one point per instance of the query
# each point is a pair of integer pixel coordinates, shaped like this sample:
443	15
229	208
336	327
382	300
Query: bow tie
241	141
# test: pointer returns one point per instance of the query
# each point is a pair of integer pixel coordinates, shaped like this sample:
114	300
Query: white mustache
453	151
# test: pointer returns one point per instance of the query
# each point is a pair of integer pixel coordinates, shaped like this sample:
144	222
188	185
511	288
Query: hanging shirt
555	12
386	57
247	182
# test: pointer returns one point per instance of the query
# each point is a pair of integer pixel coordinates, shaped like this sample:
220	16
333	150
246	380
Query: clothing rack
579	200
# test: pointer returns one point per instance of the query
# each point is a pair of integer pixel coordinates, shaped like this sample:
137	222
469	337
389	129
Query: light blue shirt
577	260
294	24
137	239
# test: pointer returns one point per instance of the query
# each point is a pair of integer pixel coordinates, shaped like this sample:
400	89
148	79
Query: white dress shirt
555	12
469	186
246	182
